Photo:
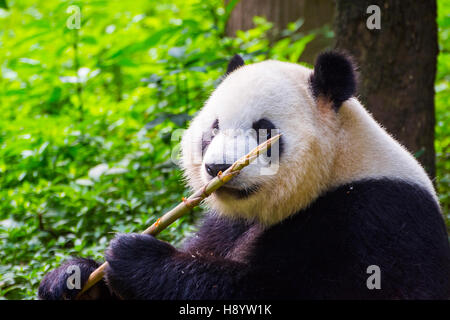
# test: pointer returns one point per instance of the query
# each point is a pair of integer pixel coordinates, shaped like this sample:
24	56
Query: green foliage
88	115
442	101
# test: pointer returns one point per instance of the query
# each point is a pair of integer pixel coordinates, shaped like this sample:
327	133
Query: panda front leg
62	283
142	267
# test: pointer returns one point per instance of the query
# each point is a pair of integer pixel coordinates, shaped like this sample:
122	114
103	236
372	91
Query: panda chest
244	245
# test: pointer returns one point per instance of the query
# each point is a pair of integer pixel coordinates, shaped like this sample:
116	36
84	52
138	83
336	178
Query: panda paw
65	282
134	261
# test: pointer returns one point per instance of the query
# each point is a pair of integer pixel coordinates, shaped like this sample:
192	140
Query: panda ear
235	63
334	78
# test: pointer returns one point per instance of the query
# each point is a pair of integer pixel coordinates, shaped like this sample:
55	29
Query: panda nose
213	169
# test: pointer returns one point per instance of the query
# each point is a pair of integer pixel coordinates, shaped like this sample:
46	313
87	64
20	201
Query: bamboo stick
187	204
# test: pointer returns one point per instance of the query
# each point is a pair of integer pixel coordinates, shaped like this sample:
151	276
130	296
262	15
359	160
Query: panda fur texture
345	196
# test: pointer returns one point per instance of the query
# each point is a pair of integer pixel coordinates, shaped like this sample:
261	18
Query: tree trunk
397	67
279	12
316	14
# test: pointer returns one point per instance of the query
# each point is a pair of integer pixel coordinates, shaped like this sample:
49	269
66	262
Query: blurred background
91	92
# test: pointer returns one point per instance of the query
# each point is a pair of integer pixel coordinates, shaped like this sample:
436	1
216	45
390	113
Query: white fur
322	149
366	150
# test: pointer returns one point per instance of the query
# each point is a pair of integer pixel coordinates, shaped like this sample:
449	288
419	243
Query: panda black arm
216	236
54	286
142	267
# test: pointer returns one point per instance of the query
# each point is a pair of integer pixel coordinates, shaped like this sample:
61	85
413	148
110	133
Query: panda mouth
238	193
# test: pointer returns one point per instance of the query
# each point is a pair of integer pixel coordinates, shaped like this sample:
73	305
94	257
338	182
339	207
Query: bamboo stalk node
204	193
190	203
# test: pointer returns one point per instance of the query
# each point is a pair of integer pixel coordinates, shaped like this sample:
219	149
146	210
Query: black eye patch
216	124
267	126
209	135
263	124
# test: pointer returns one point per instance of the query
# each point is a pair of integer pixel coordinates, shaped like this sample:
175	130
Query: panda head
252	103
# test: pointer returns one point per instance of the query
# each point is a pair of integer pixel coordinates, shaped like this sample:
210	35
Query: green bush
442	101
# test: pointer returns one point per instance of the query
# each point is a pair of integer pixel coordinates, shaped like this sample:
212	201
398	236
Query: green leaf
177	52
84	182
3	4
299	46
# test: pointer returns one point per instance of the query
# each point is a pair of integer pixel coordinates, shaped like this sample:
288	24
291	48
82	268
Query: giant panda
344	198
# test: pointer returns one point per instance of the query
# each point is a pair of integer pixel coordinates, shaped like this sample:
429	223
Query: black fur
235	63
217	236
54	285
213	169
266	124
142	267
334	77
321	252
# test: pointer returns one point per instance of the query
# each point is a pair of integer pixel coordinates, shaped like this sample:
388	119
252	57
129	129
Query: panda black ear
235	63
334	77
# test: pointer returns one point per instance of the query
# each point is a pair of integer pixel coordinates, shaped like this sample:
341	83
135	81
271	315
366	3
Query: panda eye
268	126
215	127
263	124
209	135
